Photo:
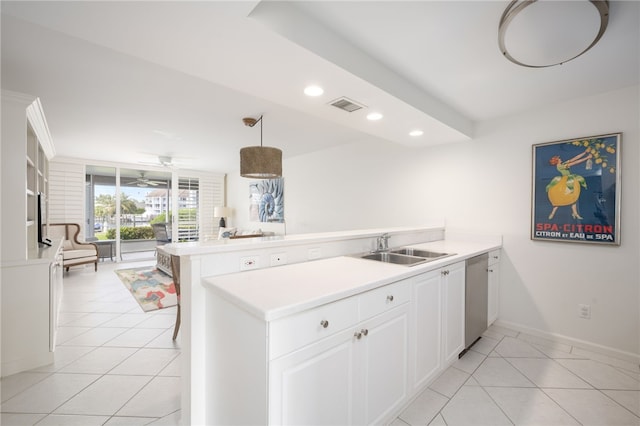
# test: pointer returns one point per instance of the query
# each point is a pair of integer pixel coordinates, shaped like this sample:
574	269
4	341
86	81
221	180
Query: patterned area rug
152	289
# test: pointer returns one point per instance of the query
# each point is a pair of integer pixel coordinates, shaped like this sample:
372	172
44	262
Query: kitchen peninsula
325	335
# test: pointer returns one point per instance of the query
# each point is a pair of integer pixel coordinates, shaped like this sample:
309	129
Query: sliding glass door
145	200
121	207
100	199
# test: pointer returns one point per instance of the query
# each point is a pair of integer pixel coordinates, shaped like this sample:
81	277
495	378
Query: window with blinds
188	206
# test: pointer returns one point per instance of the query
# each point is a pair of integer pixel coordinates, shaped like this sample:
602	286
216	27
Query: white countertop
229	245
276	292
41	254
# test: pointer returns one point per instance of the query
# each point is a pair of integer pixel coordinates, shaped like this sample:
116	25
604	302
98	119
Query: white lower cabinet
31	299
55	300
357	376
355	361
437	336
493	301
426	354
315	385
453	289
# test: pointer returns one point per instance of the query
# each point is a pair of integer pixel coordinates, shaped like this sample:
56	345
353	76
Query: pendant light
260	162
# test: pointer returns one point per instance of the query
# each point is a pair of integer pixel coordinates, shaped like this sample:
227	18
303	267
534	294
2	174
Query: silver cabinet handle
324	323
390	298
364	331
495	257
357	335
445	272
490	270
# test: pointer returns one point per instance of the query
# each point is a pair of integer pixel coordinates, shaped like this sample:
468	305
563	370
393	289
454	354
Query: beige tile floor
509	378
116	365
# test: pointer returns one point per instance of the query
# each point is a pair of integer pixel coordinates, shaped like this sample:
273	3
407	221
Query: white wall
485	186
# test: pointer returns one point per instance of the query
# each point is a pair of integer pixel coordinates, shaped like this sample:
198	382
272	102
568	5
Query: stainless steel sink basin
404	256
400	259
431	255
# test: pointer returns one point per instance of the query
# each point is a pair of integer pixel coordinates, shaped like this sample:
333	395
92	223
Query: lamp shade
221	211
260	162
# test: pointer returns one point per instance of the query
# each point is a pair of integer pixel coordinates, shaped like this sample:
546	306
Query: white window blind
66	193
211	195
188	206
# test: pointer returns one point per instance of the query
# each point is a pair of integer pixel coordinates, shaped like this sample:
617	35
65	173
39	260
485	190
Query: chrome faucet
382	242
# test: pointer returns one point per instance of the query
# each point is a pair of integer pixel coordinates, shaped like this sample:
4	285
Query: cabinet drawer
382	299
293	332
494	256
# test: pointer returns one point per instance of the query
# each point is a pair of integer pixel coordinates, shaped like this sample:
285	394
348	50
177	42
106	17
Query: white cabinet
355	376
453	288
438	322
31	296
356	360
315	385
31	286
494	286
384	349
55	297
426	352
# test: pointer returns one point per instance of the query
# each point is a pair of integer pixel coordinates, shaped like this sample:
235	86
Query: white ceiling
128	81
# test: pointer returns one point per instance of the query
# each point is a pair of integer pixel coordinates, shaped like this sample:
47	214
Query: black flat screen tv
42	220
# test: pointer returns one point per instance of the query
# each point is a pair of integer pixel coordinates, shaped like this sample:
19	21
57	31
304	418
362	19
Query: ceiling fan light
165	160
260	162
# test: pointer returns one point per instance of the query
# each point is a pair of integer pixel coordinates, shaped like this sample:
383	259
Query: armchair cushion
74	252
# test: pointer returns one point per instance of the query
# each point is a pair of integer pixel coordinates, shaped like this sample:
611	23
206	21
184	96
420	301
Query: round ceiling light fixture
416	133
373	116
544	33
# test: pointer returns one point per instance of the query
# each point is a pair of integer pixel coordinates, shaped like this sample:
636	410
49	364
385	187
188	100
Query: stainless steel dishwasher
476	294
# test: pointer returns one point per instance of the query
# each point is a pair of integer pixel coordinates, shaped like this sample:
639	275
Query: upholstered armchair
74	252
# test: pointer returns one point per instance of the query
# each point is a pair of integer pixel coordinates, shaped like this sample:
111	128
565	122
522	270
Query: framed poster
576	190
266	200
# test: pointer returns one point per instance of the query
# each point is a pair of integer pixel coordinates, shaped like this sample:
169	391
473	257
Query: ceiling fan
162	161
142	181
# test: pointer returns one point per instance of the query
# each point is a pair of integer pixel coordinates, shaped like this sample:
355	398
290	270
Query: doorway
122	205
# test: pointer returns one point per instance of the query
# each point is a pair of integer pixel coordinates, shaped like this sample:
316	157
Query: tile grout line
458	390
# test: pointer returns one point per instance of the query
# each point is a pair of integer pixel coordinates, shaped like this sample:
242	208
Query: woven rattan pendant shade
260	162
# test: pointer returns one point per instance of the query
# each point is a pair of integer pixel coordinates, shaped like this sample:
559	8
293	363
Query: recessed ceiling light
374	116
313	90
416	133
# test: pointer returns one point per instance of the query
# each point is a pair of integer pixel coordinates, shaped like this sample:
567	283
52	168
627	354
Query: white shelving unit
31	275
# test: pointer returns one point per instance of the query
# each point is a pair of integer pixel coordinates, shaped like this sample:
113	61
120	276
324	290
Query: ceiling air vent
346	104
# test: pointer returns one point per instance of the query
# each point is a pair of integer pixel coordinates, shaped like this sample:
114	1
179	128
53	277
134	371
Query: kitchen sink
400	259
404	256
430	255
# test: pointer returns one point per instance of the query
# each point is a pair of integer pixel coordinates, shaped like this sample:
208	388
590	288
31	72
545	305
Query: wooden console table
163	261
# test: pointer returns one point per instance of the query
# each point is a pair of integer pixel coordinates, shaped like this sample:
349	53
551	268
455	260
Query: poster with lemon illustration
576	190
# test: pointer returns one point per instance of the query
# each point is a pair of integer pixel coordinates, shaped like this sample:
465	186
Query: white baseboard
582	344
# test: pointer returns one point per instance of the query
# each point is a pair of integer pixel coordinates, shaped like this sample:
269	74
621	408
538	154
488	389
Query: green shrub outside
161	218
132	233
